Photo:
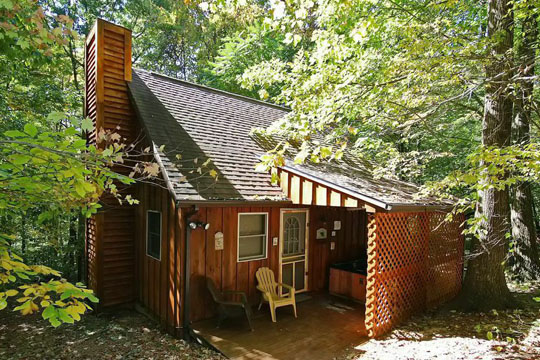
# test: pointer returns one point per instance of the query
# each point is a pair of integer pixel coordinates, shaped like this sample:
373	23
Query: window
252	236
153	234
291	241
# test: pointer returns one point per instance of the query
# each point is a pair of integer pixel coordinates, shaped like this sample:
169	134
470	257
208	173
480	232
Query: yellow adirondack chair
270	294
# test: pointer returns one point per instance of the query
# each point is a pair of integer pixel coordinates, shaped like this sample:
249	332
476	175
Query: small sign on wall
218	240
337	225
321	233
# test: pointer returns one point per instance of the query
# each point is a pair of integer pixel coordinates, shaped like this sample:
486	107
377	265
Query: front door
293	248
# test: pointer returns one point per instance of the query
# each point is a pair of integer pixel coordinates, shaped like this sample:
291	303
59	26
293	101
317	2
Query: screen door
293	249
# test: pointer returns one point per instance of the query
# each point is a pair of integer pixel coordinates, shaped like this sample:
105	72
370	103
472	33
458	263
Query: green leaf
87	124
63	315
19	159
6	4
11	292
49	312
24	44
56	116
14	134
54	321
79	188
92	298
30	129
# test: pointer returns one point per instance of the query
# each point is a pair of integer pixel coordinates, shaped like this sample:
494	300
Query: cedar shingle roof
197	123
202	123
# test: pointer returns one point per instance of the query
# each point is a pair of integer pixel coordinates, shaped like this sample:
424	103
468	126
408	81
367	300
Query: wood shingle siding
110	233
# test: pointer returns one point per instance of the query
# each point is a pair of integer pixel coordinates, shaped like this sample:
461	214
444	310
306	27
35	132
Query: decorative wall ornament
218	240
321	233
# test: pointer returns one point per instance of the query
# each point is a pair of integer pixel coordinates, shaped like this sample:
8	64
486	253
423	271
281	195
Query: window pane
251	246
252	236
294	229
299	273
287	276
153	236
252	224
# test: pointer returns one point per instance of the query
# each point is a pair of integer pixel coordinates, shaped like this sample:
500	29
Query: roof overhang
377	203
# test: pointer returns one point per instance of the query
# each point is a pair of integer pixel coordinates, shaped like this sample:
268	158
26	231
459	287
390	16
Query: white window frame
265	246
160	232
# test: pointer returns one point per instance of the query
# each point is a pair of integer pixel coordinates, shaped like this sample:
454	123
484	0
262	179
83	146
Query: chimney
110	234
107	63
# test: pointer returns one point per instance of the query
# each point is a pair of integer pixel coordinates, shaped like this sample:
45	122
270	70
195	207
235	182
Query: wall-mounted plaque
218	240
337	225
321	233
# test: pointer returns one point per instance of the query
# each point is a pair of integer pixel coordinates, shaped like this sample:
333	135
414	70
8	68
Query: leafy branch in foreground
58	170
40	288
487	168
54	171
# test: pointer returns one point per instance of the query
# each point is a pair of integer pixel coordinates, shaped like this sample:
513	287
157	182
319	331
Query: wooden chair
268	286
229	308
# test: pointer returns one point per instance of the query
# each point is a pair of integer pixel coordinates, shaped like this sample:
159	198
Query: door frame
306	245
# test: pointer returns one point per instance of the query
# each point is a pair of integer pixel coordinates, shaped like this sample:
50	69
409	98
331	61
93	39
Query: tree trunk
524	261
485	284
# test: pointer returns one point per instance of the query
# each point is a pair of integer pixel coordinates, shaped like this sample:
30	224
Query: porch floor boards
325	328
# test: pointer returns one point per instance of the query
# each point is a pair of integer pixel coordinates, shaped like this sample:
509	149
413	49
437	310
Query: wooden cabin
213	215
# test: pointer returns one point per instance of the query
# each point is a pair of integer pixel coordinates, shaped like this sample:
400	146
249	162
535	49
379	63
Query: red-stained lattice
414	262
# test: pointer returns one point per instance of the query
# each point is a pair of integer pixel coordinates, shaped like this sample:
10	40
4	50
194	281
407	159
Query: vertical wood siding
159	284
228	274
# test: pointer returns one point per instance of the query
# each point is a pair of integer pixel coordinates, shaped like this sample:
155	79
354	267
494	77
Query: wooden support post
328	196
300	190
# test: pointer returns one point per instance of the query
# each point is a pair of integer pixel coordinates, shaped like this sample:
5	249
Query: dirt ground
124	335
449	334
444	334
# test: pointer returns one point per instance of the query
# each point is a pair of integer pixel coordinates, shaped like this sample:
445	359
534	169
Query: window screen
252	236
153	235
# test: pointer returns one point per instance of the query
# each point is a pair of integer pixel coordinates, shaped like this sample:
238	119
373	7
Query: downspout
187	264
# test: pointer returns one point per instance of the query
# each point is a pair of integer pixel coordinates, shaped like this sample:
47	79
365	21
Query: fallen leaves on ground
451	335
122	335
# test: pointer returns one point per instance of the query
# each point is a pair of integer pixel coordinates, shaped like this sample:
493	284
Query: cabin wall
159	282
110	233
228	274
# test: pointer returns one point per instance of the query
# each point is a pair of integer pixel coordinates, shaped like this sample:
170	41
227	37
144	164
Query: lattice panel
91	252
414	261
445	259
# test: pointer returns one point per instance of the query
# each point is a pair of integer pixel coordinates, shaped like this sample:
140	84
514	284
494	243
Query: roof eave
368	199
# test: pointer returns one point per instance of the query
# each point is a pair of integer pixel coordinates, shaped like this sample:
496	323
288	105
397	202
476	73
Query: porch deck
325	328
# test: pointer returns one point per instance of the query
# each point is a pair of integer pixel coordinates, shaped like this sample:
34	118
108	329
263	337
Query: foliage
56	169
399	83
31	54
253	45
47	171
59	300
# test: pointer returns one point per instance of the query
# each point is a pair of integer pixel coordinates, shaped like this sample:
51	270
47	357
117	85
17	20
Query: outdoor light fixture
195	224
